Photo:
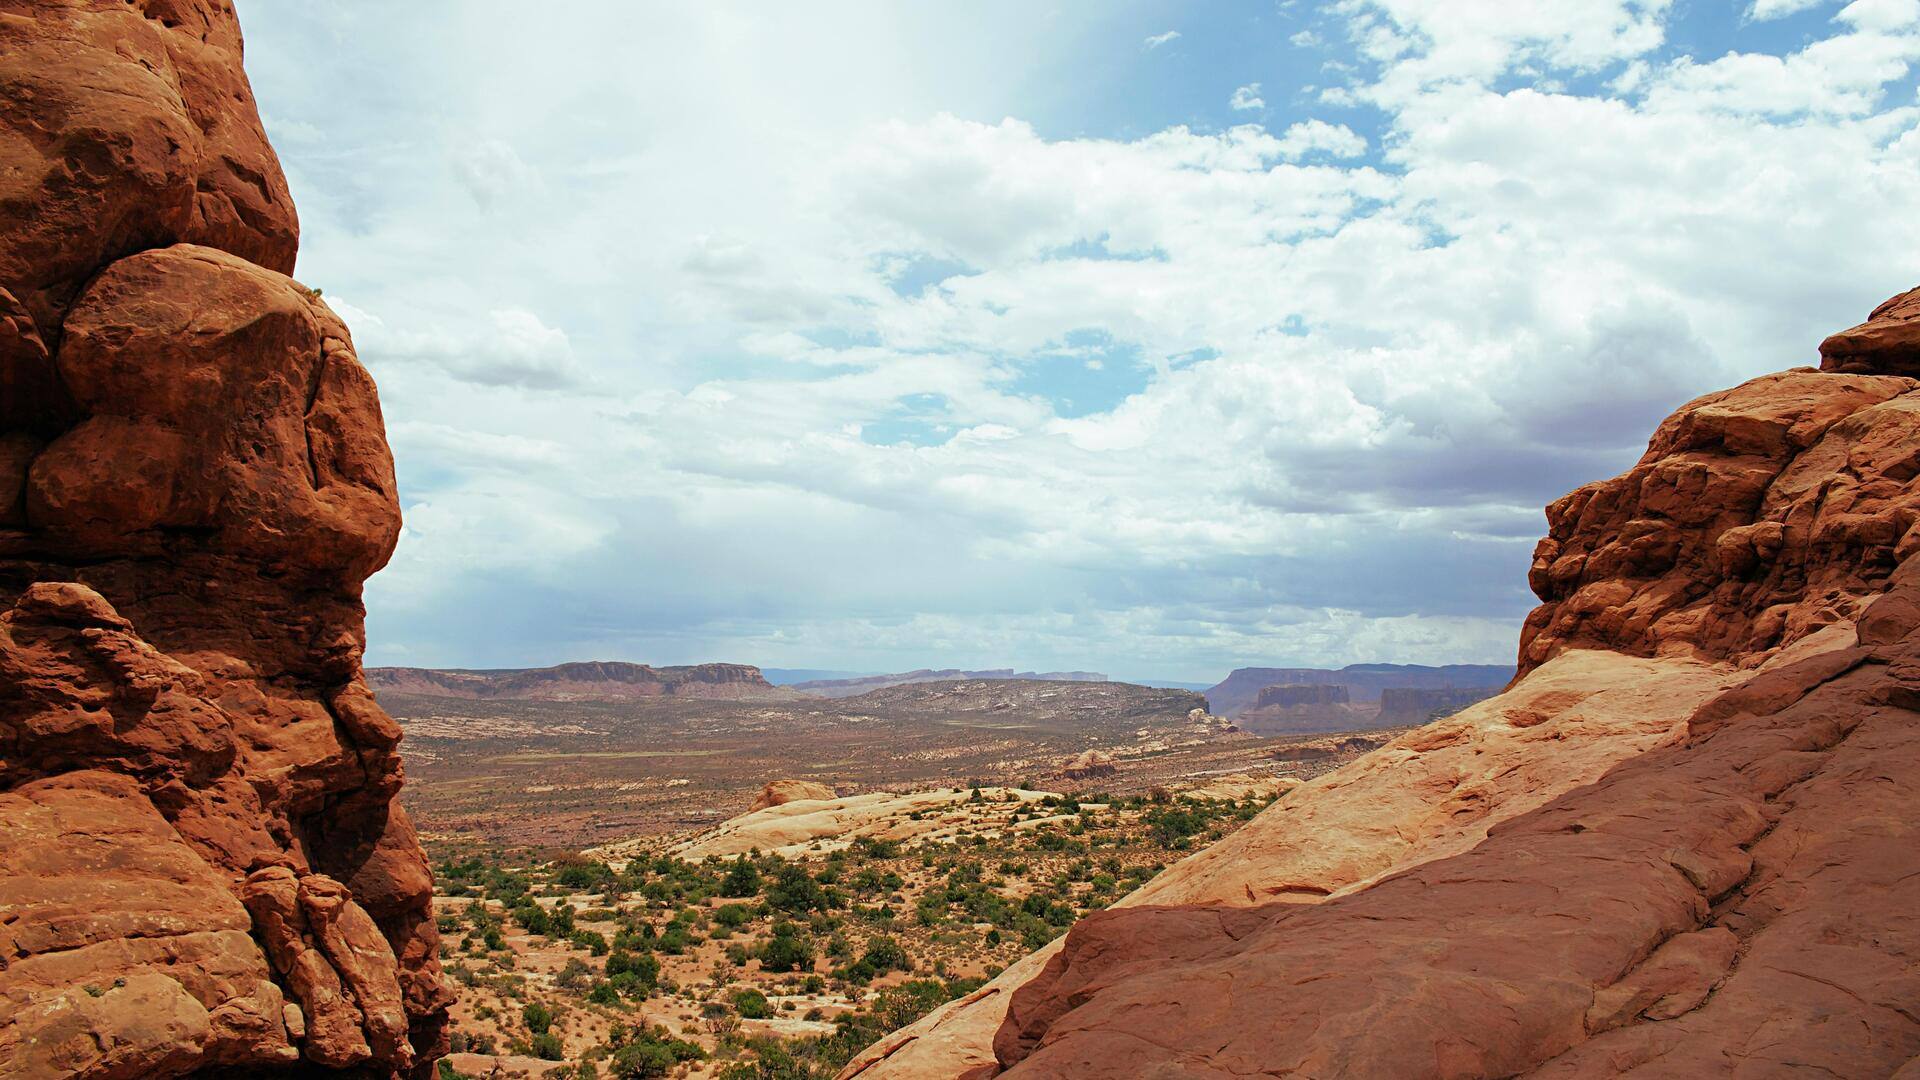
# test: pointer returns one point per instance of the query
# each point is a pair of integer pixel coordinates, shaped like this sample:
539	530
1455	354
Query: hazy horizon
1129	338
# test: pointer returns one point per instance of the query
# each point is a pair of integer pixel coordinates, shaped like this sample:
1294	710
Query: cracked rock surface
203	867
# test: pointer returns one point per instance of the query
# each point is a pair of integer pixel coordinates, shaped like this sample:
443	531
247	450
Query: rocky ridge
592	680
861	684
1696	806
203	867
1364	683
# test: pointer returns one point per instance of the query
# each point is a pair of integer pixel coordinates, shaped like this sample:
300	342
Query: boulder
1888	343
782	792
1086	765
131	127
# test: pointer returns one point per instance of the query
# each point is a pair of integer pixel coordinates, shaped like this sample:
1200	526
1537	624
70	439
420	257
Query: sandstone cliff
203	867
1685	842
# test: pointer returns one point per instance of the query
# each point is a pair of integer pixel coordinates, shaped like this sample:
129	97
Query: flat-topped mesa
194	483
1288	695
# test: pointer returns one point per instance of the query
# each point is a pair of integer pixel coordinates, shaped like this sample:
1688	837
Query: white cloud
1247	97
1880	15
491	170
1762	10
1310	136
1158	40
809	404
512	348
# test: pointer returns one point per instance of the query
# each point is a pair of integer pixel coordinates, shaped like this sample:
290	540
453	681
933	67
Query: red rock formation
1888	343
782	792
202	863
1758	516
1087	765
1686	841
1747	900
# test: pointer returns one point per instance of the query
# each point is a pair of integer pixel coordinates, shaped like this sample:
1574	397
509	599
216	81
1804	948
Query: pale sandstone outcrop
1432	792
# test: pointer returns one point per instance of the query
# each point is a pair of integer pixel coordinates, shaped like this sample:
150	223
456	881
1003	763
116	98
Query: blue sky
1154	339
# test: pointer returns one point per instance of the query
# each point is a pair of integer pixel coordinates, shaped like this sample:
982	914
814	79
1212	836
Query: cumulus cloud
1247	97
1160	39
1762	10
509	347
1318	136
821	396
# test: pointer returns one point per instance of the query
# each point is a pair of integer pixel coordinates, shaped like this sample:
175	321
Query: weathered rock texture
1686	841
203	868
782	792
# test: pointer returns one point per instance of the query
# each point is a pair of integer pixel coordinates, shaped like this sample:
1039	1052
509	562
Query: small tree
742	880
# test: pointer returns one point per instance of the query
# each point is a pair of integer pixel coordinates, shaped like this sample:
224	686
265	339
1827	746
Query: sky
1146	338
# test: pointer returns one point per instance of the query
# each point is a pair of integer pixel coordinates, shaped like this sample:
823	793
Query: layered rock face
1685	842
203	868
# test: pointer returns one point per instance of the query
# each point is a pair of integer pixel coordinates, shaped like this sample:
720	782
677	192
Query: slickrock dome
202	863
1685	842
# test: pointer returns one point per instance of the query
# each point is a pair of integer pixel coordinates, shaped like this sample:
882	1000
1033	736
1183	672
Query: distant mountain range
592	680
1411	692
839	688
1364	685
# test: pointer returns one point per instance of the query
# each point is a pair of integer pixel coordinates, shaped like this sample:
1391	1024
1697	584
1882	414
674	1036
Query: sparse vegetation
767	967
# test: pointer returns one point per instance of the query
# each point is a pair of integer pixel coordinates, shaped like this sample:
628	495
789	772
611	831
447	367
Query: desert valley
1678	835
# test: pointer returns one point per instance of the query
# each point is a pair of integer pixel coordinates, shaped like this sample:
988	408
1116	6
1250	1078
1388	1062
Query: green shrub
742	880
794	890
885	954
752	1005
787	950
546	1046
633	973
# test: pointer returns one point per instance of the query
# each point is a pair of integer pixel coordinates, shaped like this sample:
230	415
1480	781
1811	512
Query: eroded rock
782	792
202	865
